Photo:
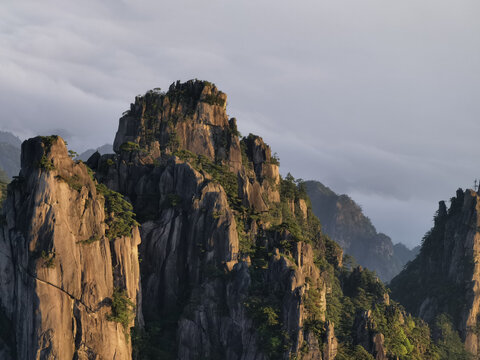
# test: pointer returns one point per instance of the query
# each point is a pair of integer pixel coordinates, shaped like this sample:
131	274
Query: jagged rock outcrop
343	220
379	347
192	183
232	259
234	264
445	276
330	350
59	271
294	279
368	336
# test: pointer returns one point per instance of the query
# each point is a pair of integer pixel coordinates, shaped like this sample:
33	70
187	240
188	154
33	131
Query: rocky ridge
233	261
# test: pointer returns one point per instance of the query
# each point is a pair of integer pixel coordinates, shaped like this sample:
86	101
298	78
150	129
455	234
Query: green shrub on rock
129	146
119	216
123	309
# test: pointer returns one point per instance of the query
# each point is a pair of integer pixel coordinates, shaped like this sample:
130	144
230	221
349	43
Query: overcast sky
377	99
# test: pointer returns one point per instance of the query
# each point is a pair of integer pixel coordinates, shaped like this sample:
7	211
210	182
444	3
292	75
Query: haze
377	99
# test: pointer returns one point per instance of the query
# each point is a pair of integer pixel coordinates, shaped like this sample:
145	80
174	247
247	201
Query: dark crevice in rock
78	327
58	288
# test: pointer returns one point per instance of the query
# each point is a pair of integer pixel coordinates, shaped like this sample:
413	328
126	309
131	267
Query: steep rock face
330	351
59	271
204	201
343	220
445	276
234	264
182	236
368	336
215	324
294	278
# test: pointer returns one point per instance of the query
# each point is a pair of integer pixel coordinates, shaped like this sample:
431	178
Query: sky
377	99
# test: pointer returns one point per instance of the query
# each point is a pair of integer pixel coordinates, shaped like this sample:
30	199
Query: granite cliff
224	258
442	284
63	271
213	254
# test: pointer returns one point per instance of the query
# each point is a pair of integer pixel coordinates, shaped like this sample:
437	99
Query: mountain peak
9	138
189	116
44	152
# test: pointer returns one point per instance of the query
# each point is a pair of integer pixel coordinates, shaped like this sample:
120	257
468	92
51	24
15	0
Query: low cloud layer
376	99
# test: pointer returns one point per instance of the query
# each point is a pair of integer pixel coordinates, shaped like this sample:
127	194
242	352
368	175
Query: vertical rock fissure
78	328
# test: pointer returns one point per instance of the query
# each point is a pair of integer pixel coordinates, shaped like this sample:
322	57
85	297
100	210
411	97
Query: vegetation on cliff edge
119	215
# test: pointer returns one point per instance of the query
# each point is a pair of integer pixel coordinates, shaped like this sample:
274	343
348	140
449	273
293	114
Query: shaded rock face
343	220
284	276
186	239
445	276
368	337
330	351
58	270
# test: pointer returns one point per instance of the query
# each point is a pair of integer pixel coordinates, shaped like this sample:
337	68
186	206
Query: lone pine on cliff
186	243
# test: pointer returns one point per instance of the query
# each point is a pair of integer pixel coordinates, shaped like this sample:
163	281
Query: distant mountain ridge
10	149
104	149
9	138
343	220
10	153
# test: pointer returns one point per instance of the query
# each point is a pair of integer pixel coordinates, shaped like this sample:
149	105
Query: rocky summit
186	243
